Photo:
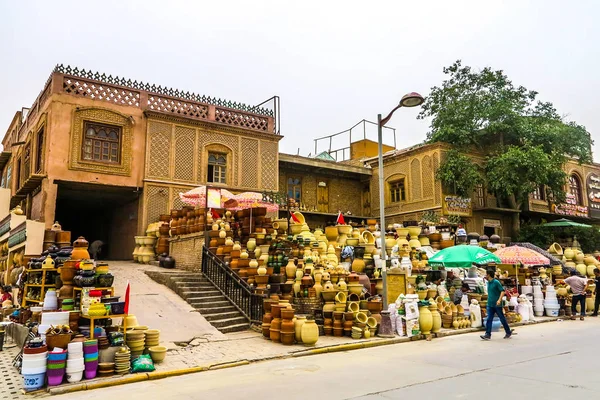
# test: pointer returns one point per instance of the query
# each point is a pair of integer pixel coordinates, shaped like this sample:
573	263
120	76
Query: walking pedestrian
494	306
596	282
579	286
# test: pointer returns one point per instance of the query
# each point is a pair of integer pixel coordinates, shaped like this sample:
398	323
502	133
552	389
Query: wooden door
323	197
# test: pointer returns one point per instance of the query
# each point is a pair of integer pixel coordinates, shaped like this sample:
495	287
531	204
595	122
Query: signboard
570	208
593	190
213	198
456	205
492	223
396	284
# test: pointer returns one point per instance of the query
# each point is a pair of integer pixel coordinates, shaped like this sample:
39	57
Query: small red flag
340	219
294	218
127	298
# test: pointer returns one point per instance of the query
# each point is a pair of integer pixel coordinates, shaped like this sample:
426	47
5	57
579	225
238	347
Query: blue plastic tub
33	381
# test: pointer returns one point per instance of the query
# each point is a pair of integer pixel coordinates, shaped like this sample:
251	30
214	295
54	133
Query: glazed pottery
80	249
300	320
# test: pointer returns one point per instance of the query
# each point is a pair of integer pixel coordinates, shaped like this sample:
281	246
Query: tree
524	142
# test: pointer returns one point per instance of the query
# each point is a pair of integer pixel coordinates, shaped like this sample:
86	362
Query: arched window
575	189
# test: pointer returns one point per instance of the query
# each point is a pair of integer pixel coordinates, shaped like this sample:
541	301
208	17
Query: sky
332	63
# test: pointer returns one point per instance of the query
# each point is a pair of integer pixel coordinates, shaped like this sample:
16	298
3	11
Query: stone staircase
204	297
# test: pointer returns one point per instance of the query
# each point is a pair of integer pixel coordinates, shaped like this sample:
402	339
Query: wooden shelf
33	301
40	285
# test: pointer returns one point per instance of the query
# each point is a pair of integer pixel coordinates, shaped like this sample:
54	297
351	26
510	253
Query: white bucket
552	310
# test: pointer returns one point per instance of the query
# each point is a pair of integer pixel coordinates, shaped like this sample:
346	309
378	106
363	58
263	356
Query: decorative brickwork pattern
157	202
189	250
176	202
159	143
185	146
415	179
104	92
249	163
184	108
241	120
438	184
269	166
427	174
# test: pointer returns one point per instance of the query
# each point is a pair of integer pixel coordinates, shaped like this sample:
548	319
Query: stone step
204	308
215	316
198	288
191	280
193	300
223	323
235	328
201	292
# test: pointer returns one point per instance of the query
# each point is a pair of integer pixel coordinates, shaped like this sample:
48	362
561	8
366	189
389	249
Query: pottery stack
151	338
538	301
136	342
34	366
50	300
57	362
75	362
122	361
551	302
90	352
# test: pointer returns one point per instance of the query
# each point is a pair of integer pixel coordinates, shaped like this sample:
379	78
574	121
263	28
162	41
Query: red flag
294	218
215	214
127	298
340	219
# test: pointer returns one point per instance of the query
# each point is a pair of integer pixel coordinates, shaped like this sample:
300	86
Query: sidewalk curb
300	353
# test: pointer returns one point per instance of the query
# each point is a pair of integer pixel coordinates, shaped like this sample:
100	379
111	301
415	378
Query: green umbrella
565	223
463	256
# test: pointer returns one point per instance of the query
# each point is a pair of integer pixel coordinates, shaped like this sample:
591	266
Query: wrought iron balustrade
234	288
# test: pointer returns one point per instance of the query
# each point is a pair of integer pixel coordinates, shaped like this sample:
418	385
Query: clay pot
80	249
437	321
425	320
309	333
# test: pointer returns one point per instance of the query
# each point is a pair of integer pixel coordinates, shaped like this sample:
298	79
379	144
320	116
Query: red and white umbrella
523	255
230	201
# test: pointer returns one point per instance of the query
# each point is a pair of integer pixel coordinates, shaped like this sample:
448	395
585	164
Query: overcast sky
333	63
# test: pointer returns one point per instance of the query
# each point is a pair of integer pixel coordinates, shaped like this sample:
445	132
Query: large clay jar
80	249
251	245
582	269
590	270
105	280
300	320
425	320
167	261
358	265
309	332
569	253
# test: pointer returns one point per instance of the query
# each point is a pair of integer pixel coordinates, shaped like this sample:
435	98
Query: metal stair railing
234	288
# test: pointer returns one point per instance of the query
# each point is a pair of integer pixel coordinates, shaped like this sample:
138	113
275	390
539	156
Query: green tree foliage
541	236
524	142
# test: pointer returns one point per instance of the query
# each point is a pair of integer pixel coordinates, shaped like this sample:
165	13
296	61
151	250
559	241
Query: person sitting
458	294
6	295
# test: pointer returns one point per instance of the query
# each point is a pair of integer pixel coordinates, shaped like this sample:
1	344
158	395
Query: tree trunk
516	216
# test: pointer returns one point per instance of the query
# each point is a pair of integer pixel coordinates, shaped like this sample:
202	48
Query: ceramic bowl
158	353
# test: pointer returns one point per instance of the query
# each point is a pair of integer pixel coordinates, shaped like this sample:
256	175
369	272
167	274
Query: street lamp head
412	99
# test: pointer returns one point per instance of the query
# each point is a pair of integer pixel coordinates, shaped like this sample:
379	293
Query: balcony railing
235	289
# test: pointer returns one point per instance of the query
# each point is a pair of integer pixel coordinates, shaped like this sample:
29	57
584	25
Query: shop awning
230	201
566	223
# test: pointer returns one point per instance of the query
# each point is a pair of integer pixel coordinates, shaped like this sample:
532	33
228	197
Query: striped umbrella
523	255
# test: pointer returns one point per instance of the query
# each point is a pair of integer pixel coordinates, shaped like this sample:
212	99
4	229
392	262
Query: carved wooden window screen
217	168
480	195
8	176
101	143
18	174
294	189
26	162
397	191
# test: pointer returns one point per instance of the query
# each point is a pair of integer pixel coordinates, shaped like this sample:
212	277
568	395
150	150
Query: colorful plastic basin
33	381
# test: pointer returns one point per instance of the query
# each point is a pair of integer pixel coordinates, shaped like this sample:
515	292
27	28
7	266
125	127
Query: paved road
550	361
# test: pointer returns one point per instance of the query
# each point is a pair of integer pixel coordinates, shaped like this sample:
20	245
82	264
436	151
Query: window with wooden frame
8	176
18	174
539	193
217	168
101	143
294	189
26	162
480	195
397	190
39	155
575	189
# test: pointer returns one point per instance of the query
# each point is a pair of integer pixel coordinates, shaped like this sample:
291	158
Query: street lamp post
412	99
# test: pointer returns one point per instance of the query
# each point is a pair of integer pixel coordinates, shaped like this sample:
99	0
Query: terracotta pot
437	321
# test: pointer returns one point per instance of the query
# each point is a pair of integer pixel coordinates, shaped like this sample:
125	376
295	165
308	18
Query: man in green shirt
494	306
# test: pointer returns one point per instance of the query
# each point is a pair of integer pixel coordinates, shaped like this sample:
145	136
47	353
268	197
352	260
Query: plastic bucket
33	381
552	311
74	376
